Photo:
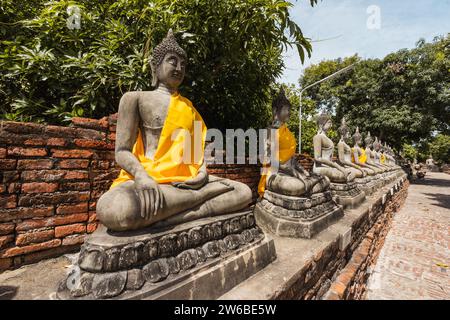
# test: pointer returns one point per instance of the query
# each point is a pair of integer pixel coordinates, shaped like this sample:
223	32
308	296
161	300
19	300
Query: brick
112	135
56	142
34	237
43	175
2	153
94	144
76	175
79	186
101	124
51	221
6	228
30	164
10	176
73	164
8	202
27	152
22	127
15	251
73	240
100	164
91	227
72	153
39	187
6	240
72	208
33	199
35	142
92	216
69	132
25	213
5	263
67	230
8	164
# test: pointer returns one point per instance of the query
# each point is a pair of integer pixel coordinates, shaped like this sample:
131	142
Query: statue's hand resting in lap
150	195
195	183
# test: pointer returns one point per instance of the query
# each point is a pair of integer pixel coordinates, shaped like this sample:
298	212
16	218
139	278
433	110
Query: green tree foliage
403	98
50	73
440	148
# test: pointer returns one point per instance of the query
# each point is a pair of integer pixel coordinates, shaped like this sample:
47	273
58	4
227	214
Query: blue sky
338	28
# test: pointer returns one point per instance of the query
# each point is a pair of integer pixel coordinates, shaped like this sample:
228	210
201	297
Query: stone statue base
347	194
294	216
367	184
201	259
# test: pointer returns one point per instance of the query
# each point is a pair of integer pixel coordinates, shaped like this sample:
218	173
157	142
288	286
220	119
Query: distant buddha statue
323	154
153	132
293	202
359	156
345	154
290	178
370	161
342	178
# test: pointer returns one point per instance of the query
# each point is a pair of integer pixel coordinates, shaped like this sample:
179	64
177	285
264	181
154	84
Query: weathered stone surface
91	259
83	285
156	270
107	285
135	279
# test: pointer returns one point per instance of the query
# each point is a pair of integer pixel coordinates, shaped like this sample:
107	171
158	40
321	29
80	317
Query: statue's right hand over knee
150	195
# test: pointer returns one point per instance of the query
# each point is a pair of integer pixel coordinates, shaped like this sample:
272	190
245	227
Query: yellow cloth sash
382	158
362	158
286	150
168	164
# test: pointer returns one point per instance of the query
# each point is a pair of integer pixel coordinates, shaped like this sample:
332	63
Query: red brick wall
50	180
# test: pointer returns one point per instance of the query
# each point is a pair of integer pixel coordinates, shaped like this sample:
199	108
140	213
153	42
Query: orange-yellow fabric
168	164
382	158
362	158
286	150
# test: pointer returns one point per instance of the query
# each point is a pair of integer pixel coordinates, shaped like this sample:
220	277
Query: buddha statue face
168	62
281	108
171	71
357	137
324	122
343	130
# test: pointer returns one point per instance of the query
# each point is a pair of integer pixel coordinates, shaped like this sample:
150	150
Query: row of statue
152	192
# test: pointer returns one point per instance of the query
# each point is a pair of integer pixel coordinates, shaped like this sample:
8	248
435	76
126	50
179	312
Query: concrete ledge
305	268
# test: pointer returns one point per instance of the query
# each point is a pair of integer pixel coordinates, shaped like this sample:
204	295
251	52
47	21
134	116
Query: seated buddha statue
342	179
369	154
293	202
323	154
359	156
345	152
155	130
380	159
290	179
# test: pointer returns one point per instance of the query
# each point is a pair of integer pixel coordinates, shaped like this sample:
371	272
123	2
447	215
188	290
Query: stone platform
169	263
294	216
367	184
347	194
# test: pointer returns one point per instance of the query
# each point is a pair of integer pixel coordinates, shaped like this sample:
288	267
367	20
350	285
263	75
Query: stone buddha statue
359	156
290	179
323	154
153	129
345	154
369	154
342	179
292	201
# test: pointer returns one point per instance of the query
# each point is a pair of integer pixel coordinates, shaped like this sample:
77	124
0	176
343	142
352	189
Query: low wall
51	178
336	263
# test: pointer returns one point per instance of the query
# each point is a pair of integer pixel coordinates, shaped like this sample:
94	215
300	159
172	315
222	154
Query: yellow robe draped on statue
170	162
382	158
362	158
286	150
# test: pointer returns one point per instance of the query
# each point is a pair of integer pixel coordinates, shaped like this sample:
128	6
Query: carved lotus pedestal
347	194
201	259
367	184
295	216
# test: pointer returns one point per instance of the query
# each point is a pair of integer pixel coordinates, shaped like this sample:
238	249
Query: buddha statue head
357	138
344	130
324	122
281	109
377	145
368	140
168	62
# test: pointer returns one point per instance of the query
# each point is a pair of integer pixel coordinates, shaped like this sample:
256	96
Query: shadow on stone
7	292
443	200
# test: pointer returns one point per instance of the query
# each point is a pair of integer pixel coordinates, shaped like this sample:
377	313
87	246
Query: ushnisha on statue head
324	122
357	138
368	140
281	109
168	62
344	130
